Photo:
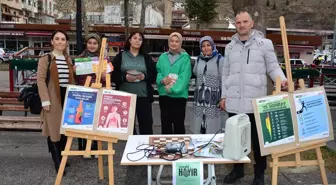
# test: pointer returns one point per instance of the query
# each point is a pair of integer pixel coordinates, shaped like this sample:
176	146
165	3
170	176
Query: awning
12	33
36	33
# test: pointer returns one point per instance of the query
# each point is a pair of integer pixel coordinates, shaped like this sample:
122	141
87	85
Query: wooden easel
91	136
300	148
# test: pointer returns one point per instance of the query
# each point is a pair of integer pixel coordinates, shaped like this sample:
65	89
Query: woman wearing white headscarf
174	72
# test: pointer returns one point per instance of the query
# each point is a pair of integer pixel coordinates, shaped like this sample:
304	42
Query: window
29	2
22	44
45	6
299	62
292	62
11	45
50	12
2	43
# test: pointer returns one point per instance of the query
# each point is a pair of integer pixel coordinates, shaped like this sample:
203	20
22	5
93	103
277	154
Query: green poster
188	173
276	120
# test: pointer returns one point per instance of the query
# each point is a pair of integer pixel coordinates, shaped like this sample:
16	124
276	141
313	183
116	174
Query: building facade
27	11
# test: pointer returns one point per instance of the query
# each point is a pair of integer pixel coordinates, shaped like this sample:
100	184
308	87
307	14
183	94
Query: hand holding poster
90	65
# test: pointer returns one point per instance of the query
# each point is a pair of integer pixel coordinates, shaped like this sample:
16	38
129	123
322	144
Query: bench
9	102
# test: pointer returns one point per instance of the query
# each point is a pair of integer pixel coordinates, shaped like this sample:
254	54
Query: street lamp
333	46
79	42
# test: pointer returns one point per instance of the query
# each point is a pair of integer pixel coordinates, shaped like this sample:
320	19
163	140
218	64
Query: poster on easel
288	121
116	113
79	108
312	115
276	120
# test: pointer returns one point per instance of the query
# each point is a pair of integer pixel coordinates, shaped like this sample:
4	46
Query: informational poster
311	115
276	120
79	108
90	65
114	112
187	173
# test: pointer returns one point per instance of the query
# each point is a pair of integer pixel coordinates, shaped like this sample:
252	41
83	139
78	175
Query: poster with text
79	108
115	111
311	115
276	120
187	173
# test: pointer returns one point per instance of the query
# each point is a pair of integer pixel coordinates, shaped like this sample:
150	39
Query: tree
126	21
200	10
143	16
255	8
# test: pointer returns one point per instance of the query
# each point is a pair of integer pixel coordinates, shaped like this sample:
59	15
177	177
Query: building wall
15	8
305	53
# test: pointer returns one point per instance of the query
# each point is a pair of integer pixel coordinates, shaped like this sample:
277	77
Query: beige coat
51	119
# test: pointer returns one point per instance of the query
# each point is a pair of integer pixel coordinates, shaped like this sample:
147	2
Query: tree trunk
84	19
255	8
126	18
143	16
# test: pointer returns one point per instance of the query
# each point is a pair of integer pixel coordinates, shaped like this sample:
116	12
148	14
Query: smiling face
244	24
206	48
136	41
59	42
174	43
92	45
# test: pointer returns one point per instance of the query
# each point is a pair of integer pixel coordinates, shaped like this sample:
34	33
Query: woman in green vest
174	72
134	72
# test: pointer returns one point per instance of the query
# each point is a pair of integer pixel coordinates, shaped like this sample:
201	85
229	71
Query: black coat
119	77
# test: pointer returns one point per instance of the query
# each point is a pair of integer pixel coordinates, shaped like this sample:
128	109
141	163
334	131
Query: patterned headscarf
213	45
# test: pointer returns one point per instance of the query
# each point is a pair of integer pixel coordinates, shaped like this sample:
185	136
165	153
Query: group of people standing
224	84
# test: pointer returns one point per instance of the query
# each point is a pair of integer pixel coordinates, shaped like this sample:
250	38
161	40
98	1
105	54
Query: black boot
63	142
236	174
258	177
80	144
55	151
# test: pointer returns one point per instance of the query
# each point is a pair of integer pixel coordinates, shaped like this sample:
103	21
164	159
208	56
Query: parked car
297	62
294	61
5	55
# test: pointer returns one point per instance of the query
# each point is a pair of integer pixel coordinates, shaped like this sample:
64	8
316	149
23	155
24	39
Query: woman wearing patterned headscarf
93	43
207	69
174	72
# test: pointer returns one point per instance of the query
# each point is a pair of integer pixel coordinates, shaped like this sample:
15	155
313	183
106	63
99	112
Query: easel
300	148
89	135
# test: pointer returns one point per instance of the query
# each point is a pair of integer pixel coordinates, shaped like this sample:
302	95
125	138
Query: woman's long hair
127	46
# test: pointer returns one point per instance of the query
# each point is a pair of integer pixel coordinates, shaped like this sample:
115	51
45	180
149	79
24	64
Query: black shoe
258	178
233	176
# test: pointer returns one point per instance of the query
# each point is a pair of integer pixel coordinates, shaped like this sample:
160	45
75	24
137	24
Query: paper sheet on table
212	149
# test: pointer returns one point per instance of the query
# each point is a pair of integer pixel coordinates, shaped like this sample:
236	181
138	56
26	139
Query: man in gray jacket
249	58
